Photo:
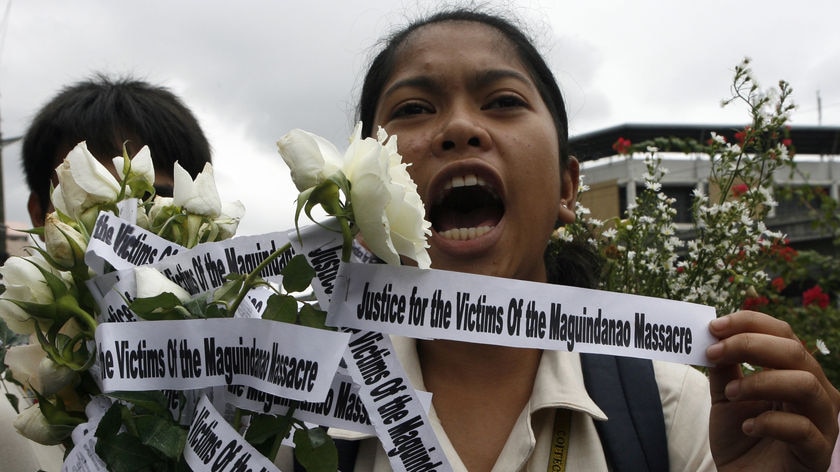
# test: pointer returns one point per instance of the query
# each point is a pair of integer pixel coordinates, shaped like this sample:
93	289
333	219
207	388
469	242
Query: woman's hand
782	417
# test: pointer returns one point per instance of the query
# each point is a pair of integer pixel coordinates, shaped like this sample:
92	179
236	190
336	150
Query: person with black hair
479	118
109	114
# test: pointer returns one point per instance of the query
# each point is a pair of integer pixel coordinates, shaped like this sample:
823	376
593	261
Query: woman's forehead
457	37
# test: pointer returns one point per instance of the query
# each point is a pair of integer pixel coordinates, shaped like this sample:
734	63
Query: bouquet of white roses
141	310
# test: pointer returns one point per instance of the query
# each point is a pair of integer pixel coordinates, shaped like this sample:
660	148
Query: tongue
448	218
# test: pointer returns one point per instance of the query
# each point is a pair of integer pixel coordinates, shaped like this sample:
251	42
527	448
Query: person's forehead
457	35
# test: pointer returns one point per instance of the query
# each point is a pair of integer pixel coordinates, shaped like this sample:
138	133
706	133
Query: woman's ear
569	181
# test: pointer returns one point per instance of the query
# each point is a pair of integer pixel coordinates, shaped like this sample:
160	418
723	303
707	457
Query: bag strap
625	388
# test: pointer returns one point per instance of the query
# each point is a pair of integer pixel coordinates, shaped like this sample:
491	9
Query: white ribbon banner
395	410
212	444
122	244
439	304
279	358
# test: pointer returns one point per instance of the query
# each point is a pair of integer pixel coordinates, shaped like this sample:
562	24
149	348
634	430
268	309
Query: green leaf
163	300
266	427
229	290
297	274
313	317
281	308
56	414
153	401
15	401
162	434
163	306
315	450
110	423
126	453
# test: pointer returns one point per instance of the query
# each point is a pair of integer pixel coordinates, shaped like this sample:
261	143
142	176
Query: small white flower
64	243
24	283
142	167
83	182
199	196
228	221
150	283
311	158
386	206
32	424
822	348
610	233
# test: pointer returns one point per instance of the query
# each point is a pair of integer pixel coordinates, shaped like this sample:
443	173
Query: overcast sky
253	70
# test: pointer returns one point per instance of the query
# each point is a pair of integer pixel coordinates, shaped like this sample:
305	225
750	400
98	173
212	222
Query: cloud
252	70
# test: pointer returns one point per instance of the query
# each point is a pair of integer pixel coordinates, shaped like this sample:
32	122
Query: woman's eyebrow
419	81
480	79
489	76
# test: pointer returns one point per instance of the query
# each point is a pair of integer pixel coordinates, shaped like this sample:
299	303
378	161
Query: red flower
753	303
622	146
739	189
815	296
787	142
778	284
741	136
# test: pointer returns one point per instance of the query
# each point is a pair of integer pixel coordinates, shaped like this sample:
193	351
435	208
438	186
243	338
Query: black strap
625	388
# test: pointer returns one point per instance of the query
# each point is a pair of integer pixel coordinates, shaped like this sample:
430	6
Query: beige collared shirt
559	384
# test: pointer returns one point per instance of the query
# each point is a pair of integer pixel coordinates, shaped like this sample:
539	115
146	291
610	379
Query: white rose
63	242
159	204
199	197
386	207
311	158
31	366
83	182
53	377
23	361
150	283
32	424
24	283
141	176
228	221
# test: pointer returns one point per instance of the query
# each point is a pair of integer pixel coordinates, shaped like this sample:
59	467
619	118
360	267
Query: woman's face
482	147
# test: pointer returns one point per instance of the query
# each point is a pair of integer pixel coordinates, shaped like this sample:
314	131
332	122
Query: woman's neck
472	365
479	391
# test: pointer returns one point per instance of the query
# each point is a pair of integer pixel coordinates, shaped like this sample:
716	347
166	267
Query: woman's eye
411	108
505	101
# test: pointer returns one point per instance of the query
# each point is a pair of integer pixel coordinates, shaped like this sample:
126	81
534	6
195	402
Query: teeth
464	181
465	234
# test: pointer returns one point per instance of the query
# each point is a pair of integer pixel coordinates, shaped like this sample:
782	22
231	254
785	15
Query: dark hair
571	264
383	64
109	113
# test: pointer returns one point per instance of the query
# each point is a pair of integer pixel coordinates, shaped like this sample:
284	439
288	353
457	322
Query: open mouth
466	208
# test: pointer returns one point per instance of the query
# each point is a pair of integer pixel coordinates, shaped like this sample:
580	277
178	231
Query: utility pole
3	228
819	109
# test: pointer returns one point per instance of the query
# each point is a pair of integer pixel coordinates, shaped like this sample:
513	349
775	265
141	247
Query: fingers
750	322
766	350
790	400
800	393
809	444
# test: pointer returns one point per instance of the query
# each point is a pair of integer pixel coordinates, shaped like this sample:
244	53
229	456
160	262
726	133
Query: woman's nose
462	132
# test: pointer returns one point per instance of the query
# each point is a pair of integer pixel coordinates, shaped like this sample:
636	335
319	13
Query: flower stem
254	274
